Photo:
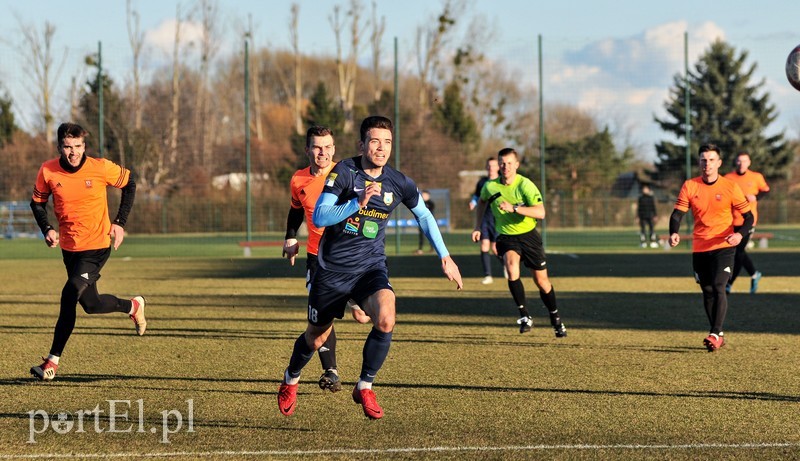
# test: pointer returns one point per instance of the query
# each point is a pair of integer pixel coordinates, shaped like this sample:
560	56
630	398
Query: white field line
346	451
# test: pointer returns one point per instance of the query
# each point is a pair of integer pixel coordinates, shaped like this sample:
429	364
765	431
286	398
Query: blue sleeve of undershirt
327	212
428	225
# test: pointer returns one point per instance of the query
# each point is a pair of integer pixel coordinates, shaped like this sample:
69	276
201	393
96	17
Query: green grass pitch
631	381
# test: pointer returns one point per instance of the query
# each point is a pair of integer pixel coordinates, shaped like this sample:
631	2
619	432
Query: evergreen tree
321	110
7	124
114	132
725	109
452	116
579	169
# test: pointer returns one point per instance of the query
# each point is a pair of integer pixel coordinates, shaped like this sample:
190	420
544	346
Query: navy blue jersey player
355	205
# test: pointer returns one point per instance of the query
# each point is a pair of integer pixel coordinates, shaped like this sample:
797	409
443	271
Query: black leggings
709	268
83	269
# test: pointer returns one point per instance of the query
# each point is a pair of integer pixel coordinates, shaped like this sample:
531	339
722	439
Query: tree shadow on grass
763	396
633	265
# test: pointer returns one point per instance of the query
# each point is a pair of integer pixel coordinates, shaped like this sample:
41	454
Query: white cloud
163	37
629	77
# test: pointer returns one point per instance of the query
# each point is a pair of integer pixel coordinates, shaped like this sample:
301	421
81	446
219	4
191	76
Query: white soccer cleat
138	314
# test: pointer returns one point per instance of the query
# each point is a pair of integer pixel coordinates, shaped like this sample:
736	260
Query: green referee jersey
523	192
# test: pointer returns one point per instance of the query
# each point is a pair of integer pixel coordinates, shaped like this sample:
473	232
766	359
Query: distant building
237	181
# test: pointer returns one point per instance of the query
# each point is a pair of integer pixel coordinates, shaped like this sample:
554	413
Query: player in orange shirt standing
306	186
754	187
713	200
78	183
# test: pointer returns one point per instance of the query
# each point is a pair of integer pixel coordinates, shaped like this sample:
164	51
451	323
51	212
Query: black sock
518	294
301	354
376	348
549	301
327	353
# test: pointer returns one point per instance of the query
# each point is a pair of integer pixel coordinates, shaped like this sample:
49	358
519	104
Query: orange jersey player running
306	186
78	183
754	187
713	200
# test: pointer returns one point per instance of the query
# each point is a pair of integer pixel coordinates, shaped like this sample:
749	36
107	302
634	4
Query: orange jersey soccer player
713	201
78	186
754	187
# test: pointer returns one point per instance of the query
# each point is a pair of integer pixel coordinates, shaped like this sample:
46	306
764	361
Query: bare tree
38	59
163	168
298	78
209	45
378	27
347	68
136	39
431	41
255	83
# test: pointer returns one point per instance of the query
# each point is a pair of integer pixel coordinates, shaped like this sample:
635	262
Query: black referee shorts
528	246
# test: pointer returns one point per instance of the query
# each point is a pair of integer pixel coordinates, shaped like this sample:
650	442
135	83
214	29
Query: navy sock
376	348
486	262
301	355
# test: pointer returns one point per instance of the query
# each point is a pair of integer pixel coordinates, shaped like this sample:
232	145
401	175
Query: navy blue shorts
488	231
528	246
331	290
312	263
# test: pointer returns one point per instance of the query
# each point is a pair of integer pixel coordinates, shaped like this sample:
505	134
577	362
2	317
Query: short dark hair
709	148
317	130
375	121
507	151
70	130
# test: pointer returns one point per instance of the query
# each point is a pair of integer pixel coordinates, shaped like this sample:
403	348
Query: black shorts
312	263
85	265
709	265
488	231
331	290
528	246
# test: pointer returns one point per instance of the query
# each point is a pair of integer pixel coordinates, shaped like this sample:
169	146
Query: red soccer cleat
713	342
287	398
45	371
366	398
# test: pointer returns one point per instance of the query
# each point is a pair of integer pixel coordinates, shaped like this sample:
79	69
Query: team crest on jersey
718	197
331	178
352	225
388	198
88	183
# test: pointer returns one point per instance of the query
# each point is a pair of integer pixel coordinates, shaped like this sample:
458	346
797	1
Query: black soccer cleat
525	324
330	381
561	330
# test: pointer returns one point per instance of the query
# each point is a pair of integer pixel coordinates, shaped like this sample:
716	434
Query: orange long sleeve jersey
80	200
713	207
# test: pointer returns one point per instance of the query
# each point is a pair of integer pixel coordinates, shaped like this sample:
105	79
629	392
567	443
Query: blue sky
613	58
